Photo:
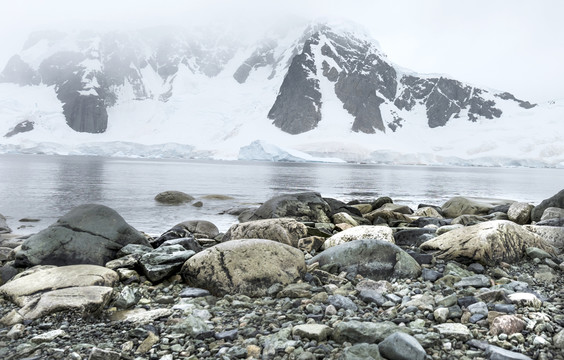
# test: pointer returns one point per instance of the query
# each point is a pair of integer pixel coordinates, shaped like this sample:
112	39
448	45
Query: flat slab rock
58	278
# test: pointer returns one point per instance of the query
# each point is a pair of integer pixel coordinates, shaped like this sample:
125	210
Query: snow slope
219	118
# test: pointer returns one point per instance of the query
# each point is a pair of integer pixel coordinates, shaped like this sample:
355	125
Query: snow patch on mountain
262	151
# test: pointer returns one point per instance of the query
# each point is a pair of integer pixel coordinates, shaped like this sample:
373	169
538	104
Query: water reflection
79	180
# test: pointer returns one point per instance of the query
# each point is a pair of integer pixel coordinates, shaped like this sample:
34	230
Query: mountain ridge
304	87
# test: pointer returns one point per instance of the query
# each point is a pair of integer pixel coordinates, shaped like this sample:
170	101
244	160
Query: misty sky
510	45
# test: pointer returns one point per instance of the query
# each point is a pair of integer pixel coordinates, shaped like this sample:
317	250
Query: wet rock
488	243
520	212
7	272
164	261
360	232
248	266
285	230
307	206
173	197
431	275
88	234
556	200
373	259
127	298
401	346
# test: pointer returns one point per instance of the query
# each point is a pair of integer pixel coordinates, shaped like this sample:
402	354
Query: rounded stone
246	266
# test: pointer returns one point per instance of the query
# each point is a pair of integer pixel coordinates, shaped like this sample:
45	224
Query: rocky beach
301	276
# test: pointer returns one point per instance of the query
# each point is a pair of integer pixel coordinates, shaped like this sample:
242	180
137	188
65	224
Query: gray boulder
373	259
470	206
552	213
556	200
88	234
520	212
247	266
488	243
4	228
401	346
306	206
285	230
200	228
172	197
164	261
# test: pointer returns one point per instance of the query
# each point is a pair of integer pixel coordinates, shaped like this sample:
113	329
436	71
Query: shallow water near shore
45	187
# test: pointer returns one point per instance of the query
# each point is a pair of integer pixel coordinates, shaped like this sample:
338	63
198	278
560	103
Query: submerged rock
173	197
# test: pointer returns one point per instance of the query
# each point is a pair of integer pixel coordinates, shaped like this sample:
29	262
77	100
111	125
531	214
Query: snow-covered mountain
326	89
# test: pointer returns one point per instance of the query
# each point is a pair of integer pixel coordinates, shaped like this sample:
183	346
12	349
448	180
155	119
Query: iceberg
260	150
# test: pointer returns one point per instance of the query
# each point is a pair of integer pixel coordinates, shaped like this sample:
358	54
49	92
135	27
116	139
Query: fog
515	46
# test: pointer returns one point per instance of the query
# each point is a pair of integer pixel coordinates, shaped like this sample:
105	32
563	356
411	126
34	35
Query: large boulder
4	228
556	200
488	243
552	213
82	287
246	266
358	233
459	205
306	206
373	259
286	230
88	234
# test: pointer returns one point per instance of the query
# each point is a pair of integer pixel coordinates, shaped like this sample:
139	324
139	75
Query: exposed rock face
21	127
285	230
373	259
556	200
520	212
489	243
307	206
246	267
88	234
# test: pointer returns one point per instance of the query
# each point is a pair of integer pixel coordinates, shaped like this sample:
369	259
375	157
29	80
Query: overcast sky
510	45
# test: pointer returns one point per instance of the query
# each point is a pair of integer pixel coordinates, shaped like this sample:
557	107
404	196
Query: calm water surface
46	187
